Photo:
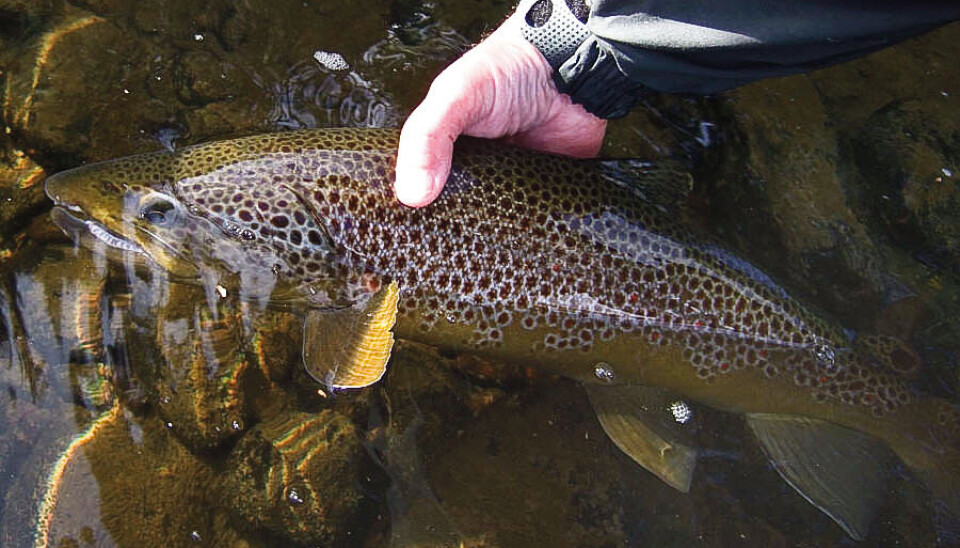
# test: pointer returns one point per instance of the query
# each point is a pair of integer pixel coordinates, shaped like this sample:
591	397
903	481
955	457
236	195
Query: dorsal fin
840	471
349	348
639	421
665	183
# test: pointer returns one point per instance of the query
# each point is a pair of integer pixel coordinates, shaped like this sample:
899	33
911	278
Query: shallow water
132	413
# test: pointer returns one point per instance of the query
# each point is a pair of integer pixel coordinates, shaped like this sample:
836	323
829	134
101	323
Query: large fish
572	265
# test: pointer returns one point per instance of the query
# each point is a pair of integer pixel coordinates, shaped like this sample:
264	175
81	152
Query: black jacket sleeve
637	47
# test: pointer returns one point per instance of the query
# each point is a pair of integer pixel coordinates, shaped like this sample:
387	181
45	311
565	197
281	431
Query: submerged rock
21	193
96	80
299	475
909	154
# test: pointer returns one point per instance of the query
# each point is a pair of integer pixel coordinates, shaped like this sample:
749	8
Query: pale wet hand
501	88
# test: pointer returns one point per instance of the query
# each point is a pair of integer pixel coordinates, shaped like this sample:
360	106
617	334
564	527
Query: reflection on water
137	410
338	97
150	404
328	91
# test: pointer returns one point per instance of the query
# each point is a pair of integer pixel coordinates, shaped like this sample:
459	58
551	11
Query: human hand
501	88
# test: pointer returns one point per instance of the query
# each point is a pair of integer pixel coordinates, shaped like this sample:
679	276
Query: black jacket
635	47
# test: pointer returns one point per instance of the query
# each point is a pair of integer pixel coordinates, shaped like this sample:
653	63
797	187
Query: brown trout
570	265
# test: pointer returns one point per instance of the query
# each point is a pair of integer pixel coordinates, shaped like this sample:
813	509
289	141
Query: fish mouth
72	221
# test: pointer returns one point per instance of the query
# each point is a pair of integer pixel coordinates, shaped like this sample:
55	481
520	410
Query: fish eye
159	211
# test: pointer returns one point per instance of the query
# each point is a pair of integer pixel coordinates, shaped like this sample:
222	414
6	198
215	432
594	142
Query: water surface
134	413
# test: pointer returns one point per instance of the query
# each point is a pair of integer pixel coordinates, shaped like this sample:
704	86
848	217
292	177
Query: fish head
184	213
127	208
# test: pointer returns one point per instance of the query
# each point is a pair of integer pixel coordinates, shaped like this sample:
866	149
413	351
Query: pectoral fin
841	471
638	420
350	348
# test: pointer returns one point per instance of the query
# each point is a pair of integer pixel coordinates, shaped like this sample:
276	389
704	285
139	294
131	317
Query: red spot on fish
634	298
654	336
724	366
556	267
370	282
824	379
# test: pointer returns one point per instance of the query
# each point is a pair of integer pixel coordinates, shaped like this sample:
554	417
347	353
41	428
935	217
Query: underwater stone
49	92
906	152
297	475
20	192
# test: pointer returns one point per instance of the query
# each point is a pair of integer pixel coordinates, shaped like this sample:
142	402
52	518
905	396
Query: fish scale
565	251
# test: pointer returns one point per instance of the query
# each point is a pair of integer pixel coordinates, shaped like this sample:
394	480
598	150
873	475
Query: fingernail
415	188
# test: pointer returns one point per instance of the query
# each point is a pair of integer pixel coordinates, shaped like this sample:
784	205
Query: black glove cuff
592	78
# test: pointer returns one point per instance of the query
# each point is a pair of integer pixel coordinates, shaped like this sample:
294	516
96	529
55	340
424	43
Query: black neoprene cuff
592	78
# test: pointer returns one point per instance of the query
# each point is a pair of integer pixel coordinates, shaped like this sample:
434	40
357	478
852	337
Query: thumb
426	140
426	147
423	161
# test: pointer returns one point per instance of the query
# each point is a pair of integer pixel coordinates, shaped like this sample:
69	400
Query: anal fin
638	420
350	348
840	471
